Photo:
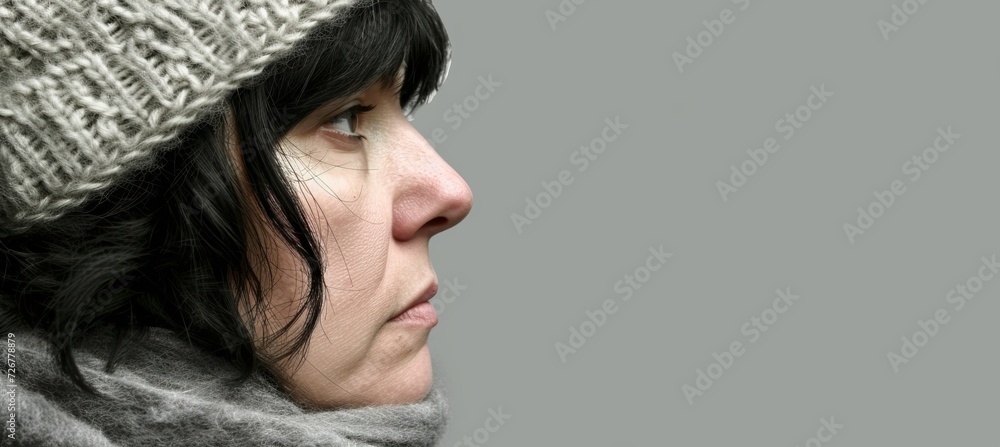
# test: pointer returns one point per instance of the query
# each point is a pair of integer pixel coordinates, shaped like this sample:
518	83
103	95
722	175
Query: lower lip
422	314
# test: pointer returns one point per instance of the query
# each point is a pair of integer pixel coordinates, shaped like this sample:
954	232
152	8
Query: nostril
437	221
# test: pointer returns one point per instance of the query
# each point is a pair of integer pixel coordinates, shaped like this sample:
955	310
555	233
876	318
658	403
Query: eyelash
357	110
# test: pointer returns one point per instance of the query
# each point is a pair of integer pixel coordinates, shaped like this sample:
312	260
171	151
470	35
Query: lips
424	297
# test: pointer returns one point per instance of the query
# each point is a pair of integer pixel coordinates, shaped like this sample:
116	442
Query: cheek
351	217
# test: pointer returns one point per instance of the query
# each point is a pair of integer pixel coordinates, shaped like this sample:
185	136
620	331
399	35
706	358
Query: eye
347	121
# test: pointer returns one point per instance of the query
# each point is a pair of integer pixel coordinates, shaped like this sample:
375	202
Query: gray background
826	357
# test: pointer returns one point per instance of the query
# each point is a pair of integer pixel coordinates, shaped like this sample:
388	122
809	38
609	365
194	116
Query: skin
374	205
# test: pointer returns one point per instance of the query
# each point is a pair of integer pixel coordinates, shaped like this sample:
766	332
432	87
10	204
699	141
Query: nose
431	196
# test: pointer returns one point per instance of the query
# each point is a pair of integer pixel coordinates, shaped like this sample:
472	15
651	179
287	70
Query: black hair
173	246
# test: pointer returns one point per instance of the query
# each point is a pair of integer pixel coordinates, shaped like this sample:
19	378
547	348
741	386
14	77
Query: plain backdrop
563	69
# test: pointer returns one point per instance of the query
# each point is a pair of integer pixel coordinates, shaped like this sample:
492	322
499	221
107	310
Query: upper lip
424	297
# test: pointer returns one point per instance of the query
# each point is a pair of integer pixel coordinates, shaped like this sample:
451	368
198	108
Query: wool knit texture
168	393
91	89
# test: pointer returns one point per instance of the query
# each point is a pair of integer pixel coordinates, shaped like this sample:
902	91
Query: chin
410	383
407	382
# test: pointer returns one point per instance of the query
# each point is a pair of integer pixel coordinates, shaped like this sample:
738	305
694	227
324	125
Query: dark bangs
368	45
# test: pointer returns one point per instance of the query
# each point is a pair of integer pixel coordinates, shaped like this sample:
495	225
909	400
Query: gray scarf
167	393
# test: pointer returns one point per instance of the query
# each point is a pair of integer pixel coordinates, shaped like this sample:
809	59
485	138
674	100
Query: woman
214	222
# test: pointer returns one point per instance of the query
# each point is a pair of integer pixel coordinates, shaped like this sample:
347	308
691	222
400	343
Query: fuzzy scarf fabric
168	393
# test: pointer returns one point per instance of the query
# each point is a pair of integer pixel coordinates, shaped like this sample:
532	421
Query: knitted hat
91	89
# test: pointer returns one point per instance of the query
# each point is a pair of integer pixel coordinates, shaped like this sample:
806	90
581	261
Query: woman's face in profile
374	192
